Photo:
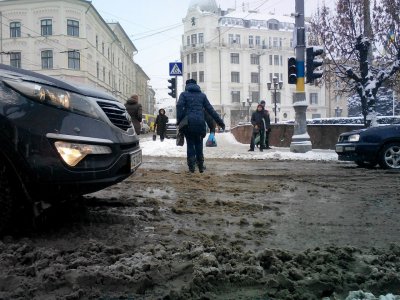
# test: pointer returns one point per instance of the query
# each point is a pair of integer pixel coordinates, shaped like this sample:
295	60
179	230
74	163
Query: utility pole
301	142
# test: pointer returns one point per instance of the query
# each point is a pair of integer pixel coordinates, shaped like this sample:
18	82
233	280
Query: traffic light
172	87
313	62
292	70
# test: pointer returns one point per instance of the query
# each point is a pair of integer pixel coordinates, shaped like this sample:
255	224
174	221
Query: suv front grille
116	114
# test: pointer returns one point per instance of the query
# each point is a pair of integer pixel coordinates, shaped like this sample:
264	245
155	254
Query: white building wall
117	58
217	66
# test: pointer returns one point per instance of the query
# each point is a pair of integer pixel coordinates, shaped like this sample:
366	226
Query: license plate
339	148
136	159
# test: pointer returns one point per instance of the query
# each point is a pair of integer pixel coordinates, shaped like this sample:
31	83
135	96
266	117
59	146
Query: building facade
233	54
68	39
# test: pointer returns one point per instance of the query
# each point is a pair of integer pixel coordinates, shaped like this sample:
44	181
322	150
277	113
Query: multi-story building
233	54
69	39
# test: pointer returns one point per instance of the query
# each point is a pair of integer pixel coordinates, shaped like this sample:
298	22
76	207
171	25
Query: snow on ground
228	147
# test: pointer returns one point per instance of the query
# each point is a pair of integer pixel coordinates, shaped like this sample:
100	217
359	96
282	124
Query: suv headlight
56	97
354	138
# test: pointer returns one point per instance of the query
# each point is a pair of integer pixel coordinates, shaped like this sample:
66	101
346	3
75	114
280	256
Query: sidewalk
228	147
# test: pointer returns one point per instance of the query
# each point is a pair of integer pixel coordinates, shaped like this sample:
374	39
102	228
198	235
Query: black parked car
171	129
368	147
59	141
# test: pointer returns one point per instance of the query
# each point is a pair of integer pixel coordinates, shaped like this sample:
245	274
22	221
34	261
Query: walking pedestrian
160	125
267	125
134	109
258	120
191	105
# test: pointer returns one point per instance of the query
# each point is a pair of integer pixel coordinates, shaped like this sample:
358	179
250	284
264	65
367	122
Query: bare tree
365	51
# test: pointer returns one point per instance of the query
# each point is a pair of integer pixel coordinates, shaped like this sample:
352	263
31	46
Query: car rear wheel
389	157
6	202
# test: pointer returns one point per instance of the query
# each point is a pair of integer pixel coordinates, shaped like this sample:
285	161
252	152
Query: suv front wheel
390	156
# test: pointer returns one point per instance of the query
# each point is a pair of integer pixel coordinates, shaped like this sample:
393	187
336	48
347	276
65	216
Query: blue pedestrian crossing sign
175	69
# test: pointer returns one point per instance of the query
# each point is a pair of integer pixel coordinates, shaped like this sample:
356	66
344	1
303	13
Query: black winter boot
191	162
200	164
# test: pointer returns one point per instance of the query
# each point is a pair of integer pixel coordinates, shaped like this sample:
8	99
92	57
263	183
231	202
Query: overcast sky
155	28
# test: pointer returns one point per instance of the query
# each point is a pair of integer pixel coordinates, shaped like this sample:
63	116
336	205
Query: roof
246	15
204	5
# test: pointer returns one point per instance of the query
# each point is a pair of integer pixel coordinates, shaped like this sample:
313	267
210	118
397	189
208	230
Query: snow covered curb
229	148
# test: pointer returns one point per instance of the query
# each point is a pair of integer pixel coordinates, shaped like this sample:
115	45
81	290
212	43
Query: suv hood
26	75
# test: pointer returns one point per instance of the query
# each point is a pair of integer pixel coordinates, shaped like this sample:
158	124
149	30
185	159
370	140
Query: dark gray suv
59	141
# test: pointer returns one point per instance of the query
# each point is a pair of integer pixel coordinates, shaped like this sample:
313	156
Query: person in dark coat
268	125
160	125
134	109
258	120
192	104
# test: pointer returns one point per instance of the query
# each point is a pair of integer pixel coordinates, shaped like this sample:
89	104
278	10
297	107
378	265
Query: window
74	60
47	59
201	38
72	28
201	57
188	59
278	97
104	74
194	75
97	42
46	27
235	77
316	116
15	29
230	39
97	70
273	25
255	77
235	96
251	41
270	60
313	98
254	59
194	39
255	96
237	39
201	76
234	58
15	59
194	58
102	48
276	60
258	40
188	40
275	42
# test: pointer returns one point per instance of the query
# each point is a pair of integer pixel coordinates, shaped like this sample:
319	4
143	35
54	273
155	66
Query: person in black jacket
134	109
268	125
160	125
258	120
191	105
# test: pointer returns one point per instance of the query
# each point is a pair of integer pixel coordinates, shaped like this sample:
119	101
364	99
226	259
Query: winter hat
135	97
189	81
262	102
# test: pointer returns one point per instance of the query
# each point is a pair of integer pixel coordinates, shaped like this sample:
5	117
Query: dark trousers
194	145
262	139
266	139
162	135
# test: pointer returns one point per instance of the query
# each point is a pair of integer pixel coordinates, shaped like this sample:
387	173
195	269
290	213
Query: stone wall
322	136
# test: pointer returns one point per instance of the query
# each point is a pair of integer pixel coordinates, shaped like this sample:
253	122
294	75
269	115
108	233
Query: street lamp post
277	85
249	101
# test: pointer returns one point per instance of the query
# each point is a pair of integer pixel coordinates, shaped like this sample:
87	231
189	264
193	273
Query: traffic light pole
301	142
